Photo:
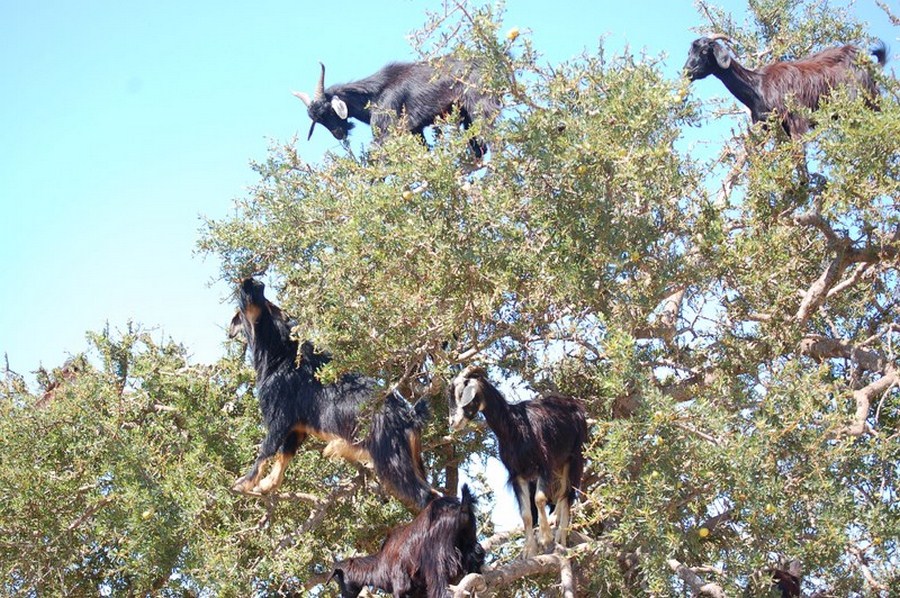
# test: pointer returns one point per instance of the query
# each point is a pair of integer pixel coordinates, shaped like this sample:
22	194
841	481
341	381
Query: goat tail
576	465
576	471
880	52
471	553
467	505
396	449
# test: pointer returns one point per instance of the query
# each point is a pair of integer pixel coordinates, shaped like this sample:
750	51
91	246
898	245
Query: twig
703	435
318	514
91	511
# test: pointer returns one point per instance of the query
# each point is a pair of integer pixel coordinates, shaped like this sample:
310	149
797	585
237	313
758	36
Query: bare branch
318	513
818	291
863	565
687	389
820	348
815	219
716	520
566	579
491	580
863	398
731	178
698	433
695	582
849	282
665	325
895	20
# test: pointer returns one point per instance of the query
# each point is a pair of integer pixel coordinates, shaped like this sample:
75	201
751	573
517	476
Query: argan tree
728	317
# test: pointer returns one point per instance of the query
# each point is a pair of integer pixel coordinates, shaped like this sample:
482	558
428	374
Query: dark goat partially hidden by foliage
540	441
422	557
786	583
295	404
769	89
418	91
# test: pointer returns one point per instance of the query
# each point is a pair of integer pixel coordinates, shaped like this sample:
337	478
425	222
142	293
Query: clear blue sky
121	123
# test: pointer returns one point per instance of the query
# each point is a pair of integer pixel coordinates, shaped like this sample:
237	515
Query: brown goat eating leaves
773	87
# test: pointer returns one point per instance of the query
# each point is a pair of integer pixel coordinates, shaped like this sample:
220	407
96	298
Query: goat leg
540	501
249	484
523	493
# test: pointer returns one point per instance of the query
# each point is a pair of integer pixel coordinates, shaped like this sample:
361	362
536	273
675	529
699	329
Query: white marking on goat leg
524	496
562	505
540	501
248	485
243	485
562	529
338	448
276	474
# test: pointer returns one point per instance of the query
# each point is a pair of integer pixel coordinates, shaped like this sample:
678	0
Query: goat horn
320	87
717	36
303	97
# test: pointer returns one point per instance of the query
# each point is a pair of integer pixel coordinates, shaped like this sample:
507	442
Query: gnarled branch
695	582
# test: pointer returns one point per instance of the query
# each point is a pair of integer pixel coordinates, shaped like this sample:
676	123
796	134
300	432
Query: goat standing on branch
418	91
422	557
295	404
540	441
770	88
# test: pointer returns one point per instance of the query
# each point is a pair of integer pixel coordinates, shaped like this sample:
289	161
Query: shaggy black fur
418	91
295	404
541	444
421	558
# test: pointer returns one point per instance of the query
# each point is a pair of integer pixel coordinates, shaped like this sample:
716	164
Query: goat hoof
264	487
242	486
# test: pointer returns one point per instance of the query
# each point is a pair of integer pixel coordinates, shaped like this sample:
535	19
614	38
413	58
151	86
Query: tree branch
491	580
665	325
820	348
317	514
695	582
818	291
863	565
89	512
815	219
685	390
863	398
849	282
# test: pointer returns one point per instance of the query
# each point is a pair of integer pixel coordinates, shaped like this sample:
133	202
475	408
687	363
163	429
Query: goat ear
469	392
236	325
339	107
723	56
